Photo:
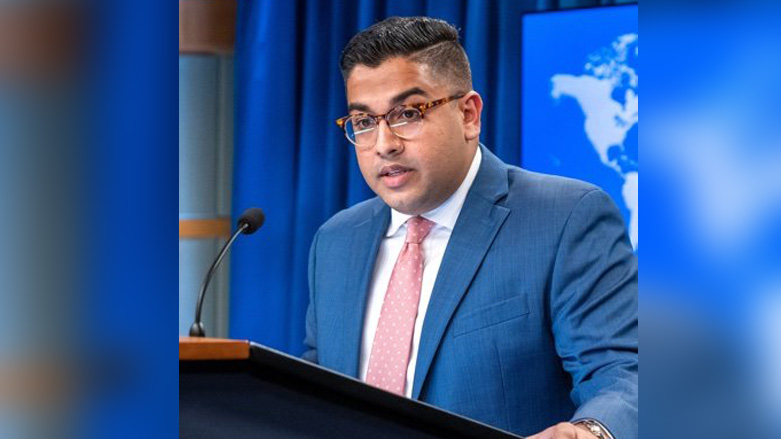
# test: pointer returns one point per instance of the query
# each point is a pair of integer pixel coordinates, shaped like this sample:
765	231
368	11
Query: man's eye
410	114
364	123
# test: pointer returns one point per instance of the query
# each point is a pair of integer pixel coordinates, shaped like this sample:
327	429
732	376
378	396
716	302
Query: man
503	295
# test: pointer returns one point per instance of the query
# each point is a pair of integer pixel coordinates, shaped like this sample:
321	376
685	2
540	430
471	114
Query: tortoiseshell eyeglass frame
341	122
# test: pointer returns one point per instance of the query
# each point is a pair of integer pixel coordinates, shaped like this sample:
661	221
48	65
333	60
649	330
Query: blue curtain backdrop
290	158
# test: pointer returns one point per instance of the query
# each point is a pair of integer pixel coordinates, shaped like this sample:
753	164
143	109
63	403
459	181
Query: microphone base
196	330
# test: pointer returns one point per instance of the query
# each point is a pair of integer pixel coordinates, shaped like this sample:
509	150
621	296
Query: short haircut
424	40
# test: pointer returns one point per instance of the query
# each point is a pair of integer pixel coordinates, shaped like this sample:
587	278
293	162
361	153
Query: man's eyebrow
358	107
399	98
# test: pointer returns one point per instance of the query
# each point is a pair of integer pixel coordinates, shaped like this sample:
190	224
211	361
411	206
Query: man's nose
387	144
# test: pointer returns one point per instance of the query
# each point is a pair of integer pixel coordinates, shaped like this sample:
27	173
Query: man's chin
402	205
408	209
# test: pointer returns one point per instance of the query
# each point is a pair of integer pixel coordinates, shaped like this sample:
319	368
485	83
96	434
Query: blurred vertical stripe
42	126
131	296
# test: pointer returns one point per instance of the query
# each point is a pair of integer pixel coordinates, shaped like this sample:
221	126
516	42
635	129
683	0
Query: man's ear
472	107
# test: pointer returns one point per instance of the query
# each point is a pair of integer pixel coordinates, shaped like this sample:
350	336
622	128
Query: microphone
248	223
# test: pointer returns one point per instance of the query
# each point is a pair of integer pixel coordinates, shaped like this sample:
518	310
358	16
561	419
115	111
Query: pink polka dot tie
393	340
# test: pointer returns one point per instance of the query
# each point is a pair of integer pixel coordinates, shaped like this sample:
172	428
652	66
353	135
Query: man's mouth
395	173
394	176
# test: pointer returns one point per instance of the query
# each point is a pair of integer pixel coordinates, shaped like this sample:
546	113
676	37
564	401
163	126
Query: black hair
424	40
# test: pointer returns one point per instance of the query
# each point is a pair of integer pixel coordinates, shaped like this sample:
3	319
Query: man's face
414	175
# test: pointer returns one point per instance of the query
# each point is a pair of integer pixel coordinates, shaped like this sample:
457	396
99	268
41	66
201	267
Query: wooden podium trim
196	348
205	228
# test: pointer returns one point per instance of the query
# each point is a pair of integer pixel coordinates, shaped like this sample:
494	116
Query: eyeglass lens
404	122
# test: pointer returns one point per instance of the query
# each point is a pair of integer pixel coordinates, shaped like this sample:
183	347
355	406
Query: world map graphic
607	95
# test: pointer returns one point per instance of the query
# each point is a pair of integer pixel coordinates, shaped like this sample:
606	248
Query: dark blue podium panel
273	395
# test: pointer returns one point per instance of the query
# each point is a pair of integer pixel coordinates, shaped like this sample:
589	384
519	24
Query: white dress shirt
434	245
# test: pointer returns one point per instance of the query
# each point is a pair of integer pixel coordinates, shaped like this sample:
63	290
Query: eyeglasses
404	121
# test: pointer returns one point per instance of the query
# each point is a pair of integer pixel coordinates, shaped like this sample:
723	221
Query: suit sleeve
310	341
594	314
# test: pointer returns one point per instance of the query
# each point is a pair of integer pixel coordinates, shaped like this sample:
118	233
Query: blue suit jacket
533	316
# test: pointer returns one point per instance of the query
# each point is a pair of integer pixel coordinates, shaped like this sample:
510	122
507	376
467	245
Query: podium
239	389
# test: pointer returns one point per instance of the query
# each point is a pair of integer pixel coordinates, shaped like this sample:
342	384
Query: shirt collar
445	214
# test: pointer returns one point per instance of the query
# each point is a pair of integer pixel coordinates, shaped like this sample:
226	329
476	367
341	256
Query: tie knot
417	229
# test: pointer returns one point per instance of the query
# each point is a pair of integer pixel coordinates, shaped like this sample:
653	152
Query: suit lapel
359	274
478	223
